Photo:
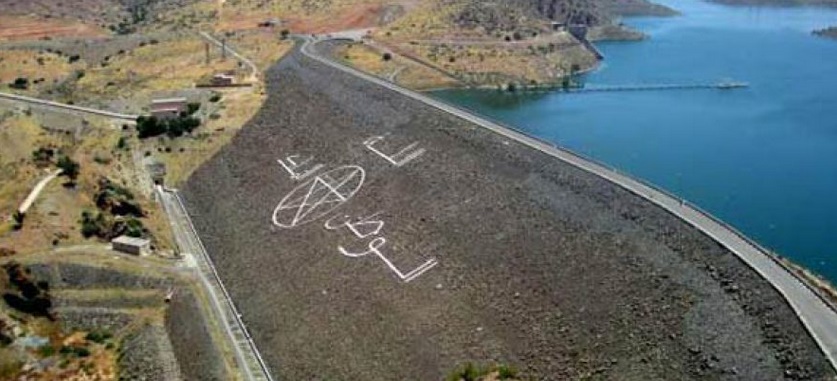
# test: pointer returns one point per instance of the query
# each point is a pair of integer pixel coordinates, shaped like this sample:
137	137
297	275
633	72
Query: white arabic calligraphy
400	158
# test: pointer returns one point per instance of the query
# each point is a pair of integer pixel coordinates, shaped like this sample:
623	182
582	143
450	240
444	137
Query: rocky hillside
509	15
120	16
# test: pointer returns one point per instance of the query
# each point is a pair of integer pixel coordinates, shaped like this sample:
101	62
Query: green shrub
17	218
46	350
20	83
98	337
70	167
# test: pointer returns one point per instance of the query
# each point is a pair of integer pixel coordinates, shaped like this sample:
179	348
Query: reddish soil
15	28
363	16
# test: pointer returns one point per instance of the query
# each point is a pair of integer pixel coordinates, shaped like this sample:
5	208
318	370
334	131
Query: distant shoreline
778	3
830	32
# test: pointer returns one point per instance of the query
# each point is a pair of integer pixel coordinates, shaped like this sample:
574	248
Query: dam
367	235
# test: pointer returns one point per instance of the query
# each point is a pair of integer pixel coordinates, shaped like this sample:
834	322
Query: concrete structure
578	31
815	313
168	108
131	245
223	79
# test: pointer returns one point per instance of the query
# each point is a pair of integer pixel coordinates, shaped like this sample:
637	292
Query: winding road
817	315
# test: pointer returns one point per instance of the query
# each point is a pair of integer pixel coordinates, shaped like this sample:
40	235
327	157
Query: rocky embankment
154	339
539	265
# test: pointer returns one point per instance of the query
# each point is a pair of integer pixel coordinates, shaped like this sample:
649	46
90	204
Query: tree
20	83
43	156
285	33
18	218
70	168
387	56
192	108
149	126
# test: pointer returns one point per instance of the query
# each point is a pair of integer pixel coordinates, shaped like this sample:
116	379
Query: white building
131	245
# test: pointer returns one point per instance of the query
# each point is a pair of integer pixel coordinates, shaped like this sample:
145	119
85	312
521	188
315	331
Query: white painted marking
374	246
400	158
317	197
357	227
291	166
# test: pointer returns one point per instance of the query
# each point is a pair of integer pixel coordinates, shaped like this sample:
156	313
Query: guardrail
822	335
227	297
831	304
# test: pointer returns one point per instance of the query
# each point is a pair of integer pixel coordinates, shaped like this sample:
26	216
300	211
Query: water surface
763	159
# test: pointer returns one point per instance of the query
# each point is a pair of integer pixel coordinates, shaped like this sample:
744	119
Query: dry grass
263	47
184	155
168	65
56	213
16	28
302	16
490	64
406	72
431	19
47	68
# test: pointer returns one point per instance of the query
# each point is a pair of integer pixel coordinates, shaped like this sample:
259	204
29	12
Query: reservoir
763	159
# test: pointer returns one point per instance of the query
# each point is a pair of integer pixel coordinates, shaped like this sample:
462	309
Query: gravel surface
148	356
540	265
198	357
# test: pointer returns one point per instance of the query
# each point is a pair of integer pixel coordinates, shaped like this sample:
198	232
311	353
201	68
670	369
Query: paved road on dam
817	316
363	234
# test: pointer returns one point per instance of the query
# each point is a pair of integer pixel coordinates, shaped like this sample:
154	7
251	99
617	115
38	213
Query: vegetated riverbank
830	32
540	265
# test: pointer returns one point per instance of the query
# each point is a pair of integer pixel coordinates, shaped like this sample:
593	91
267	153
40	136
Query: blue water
763	159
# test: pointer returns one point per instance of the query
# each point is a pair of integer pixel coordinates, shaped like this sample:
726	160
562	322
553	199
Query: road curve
64	106
815	313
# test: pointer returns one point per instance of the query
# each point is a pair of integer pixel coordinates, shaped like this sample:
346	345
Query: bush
17	218
70	167
387	56
150	126
93	225
43	156
98	337
284	33
46	350
215	98
122	143
20	83
192	108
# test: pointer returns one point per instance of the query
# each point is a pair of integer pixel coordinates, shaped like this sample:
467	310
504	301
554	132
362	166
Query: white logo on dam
318	197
